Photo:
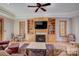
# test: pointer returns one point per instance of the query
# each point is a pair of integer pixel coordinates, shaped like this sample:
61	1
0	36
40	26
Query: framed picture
62	28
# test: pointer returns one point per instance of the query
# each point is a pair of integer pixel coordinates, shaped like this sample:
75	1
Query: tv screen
41	25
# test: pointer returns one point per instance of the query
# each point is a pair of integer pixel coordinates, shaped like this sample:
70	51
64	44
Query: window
62	27
22	27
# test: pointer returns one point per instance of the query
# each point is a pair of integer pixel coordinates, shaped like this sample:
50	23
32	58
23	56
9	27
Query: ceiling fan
40	6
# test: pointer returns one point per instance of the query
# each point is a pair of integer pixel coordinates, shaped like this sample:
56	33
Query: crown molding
6	13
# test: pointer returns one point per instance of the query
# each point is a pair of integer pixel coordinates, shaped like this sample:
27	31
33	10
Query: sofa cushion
14	49
4	42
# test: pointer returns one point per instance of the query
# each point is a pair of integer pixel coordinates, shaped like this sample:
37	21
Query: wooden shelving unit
51	26
51	30
30	26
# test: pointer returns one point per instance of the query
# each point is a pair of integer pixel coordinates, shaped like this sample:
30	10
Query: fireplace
40	38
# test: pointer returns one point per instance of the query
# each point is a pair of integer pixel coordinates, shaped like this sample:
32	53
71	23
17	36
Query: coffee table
36	49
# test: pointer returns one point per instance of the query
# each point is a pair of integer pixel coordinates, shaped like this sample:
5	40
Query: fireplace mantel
41	33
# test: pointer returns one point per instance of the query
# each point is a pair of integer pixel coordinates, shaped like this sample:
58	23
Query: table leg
44	52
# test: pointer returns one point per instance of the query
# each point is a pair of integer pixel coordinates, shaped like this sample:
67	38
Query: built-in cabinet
49	32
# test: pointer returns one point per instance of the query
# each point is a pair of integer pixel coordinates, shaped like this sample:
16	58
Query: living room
34	27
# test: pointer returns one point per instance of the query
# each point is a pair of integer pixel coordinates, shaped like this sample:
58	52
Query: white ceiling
56	9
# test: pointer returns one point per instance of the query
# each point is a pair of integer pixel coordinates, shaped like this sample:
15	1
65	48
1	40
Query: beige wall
75	27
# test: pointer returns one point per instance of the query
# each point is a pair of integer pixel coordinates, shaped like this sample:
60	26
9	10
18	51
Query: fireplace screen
40	38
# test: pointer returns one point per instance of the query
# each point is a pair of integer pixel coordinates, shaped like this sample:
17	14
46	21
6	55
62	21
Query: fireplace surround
40	37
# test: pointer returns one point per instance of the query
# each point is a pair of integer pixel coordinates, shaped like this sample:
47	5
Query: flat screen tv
41	25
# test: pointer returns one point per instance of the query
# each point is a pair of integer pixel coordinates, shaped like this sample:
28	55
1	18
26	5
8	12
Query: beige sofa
66	48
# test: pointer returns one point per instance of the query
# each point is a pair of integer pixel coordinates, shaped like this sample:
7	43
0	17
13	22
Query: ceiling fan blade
47	4
43	9
36	10
38	4
32	6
